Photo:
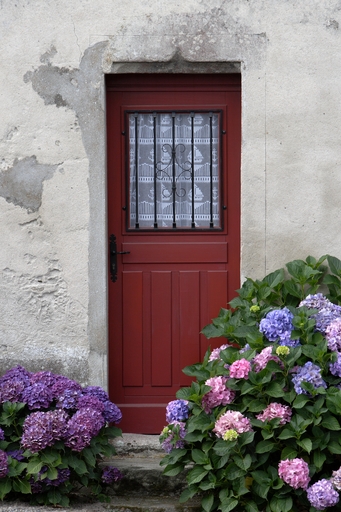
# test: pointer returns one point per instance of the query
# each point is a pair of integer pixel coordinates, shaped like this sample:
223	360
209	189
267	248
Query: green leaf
54	496
286	434
288	453
187	494
261	489
78	465
264	446
330	422
195	436
199	457
251	506
300	401
207	502
201	422
334	447
319	458
52	473
22	486
275	390
34	467
5	487
245	438
183	393
173	469
306	444
278	504
233	471
243	462
334	265
51	457
196	475
228	504
89	457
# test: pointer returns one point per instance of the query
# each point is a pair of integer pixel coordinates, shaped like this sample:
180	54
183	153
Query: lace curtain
174	161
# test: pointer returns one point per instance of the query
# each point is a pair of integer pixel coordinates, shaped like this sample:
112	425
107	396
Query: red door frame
168	84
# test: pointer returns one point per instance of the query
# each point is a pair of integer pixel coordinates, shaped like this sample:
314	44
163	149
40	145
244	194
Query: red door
174	210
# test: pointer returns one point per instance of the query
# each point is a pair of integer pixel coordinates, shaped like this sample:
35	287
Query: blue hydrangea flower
111	413
335	368
322	494
311	373
324	318
277	327
177	410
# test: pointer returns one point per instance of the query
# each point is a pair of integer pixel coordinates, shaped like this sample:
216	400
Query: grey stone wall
54	56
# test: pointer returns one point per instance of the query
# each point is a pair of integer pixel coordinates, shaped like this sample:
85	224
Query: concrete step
138	458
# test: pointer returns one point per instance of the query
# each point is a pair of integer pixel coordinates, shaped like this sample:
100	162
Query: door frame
232	82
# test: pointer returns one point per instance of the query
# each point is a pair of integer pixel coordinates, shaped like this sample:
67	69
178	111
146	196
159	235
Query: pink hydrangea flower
294	472
240	369
215	354
231	420
276	410
219	394
263	358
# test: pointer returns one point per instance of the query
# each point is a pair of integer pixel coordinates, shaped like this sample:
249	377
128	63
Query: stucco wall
52	146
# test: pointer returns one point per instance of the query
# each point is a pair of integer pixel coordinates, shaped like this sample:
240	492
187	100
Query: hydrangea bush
260	427
54	435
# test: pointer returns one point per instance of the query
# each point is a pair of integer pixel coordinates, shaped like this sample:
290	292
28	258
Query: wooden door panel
161	332
132	328
172	282
180	252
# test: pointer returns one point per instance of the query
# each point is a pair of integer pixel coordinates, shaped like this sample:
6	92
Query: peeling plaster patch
47	56
80	91
332	24
22	184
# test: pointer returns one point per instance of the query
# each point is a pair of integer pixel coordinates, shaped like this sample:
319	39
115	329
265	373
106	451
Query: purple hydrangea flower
335	368
13	383
90	401
98	392
111	475
46	378
82	427
311	373
173	436
317	301
215	354
68	399
61	384
3	464
245	348
42	429
37	396
2	435
17	454
177	410
63	476
322	494
111	413
277	325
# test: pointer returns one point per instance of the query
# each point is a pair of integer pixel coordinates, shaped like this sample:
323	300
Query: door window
174	167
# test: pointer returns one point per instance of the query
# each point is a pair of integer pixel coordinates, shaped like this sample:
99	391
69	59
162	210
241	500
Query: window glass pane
174	162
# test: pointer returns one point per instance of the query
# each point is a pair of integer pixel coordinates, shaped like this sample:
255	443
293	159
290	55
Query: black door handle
113	258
